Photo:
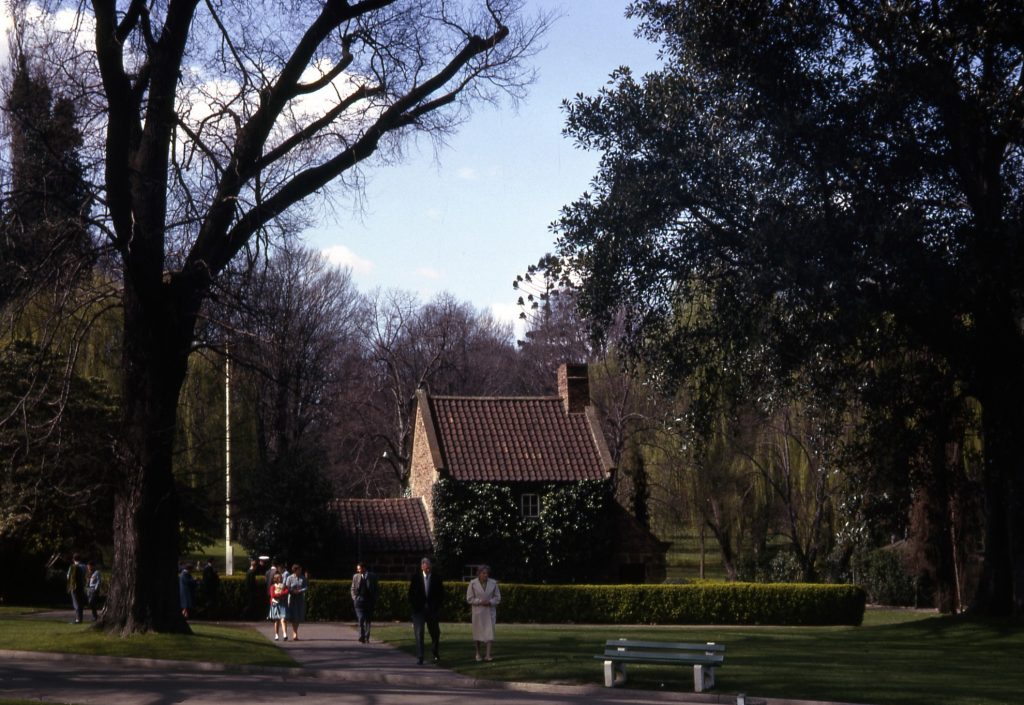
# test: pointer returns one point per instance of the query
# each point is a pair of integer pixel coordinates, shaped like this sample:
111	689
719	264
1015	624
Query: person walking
426	597
483	596
295	613
209	587
270	576
186	590
278	605
76	586
93	588
364	597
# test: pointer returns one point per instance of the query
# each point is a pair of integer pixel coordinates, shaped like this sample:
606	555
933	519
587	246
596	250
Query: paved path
336	669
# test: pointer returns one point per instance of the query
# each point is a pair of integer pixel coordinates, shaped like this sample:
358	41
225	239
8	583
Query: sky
470	218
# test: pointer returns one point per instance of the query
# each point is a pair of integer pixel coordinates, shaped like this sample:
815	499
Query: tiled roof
515	439
384	525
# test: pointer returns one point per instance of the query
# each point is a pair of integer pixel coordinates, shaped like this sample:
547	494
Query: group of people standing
286	592
85	585
207	589
426	598
426	595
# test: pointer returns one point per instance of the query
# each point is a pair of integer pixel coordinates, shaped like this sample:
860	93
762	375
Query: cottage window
529	506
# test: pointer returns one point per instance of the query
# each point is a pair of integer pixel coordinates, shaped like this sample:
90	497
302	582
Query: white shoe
275	637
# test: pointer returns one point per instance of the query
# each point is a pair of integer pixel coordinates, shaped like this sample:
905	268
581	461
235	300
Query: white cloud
509	313
344	257
428	273
466	173
6	23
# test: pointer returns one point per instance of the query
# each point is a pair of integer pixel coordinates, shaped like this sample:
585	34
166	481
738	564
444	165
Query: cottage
523	483
537	450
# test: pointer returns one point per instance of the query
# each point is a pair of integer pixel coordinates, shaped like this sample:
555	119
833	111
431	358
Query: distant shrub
885	579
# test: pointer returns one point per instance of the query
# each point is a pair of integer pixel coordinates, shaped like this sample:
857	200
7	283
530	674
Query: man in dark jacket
364	596
426	597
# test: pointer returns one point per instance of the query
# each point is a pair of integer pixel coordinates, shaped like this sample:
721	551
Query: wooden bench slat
630	644
641	656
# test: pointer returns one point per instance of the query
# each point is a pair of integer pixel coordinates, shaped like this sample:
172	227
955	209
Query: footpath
335	668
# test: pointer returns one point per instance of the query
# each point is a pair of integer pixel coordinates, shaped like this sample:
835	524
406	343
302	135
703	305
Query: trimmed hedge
705	603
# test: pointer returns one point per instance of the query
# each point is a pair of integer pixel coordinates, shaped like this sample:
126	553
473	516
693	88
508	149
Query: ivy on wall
480	522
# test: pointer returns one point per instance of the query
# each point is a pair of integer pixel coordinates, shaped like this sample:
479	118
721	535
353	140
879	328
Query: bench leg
703	678
612	672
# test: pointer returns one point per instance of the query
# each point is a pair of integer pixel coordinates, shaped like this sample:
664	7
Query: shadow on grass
920	660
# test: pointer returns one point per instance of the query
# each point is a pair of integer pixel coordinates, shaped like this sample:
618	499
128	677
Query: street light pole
229	556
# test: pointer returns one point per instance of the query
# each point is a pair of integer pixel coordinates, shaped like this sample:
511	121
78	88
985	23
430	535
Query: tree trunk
144	586
1001	587
724	537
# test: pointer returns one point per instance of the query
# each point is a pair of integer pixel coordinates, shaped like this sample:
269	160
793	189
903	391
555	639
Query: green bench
703	657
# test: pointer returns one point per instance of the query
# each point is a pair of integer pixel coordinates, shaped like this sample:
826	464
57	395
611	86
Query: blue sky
468	221
470	218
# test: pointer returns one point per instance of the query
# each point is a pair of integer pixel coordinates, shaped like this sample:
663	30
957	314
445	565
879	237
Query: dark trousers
94	605
433	626
364	614
78	602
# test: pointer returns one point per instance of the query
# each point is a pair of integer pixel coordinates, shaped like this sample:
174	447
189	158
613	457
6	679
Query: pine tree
44	235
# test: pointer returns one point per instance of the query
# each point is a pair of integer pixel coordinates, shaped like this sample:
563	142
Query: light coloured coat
484	616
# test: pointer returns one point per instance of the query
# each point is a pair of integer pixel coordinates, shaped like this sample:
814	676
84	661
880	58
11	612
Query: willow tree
218	118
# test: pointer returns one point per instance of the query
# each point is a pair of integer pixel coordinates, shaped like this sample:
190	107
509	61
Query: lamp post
229	556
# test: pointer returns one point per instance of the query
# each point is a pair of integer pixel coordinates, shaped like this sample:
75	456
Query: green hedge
705	603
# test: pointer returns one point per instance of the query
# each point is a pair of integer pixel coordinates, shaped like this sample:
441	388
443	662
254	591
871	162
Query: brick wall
574	387
422	474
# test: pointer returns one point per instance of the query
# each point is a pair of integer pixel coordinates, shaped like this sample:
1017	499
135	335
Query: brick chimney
574	387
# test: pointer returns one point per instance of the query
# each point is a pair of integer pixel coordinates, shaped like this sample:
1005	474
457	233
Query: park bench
703	657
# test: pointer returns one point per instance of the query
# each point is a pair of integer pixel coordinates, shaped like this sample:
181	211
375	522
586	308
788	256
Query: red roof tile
515	439
384	525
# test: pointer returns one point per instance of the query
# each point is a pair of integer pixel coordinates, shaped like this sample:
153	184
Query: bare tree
297	334
444	346
219	117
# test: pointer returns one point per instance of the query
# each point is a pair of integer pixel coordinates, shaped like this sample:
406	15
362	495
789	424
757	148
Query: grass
216	551
210	642
683	557
897	657
15	611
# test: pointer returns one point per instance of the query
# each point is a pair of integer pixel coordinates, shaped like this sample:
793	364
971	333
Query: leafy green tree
44	235
815	172
57	453
283	510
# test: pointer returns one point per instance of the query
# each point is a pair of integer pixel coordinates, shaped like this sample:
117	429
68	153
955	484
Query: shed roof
385	525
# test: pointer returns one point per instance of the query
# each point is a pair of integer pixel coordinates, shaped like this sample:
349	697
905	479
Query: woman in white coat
483	594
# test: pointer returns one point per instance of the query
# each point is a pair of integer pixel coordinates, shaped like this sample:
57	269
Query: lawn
217	643
904	657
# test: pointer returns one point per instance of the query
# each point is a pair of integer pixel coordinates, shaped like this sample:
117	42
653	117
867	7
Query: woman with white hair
483	595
